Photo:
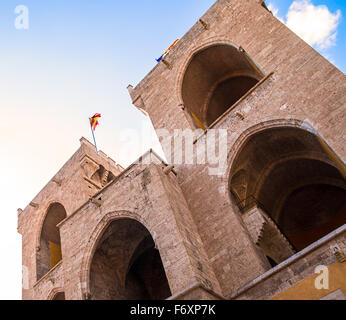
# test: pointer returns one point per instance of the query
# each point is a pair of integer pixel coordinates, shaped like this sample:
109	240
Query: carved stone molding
34	205
89	166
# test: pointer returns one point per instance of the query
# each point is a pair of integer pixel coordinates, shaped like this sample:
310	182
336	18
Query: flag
94	121
169	49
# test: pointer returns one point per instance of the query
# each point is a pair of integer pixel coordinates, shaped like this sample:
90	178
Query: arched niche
126	265
59	296
294	180
49	252
216	78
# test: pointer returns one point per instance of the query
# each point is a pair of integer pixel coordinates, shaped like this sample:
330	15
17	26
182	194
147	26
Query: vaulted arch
49	251
126	265
294	180
215	78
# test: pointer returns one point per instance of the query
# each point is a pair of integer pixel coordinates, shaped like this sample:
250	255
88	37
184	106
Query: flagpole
92	131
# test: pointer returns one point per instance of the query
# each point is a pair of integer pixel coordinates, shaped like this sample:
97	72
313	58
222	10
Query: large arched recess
126	265
49	251
294	178
216	77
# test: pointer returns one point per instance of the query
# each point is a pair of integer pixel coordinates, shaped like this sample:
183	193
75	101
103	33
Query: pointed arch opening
49	252
290	190
126	265
215	79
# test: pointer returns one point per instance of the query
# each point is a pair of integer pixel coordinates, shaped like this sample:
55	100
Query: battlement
84	174
281	187
88	144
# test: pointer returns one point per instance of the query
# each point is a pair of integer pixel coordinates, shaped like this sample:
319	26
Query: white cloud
275	11
314	24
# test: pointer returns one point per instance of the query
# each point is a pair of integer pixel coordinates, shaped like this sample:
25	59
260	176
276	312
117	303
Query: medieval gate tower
259	229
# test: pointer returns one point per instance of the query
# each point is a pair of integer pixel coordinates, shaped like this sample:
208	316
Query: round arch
143	246
281	157
43	218
56	294
198	47
257	128
215	76
48	249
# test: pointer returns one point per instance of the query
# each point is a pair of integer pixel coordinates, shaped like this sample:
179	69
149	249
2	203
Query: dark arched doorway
290	176
215	79
59	296
126	265
49	252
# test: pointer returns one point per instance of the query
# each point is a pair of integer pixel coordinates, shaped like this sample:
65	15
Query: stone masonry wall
137	194
67	187
304	88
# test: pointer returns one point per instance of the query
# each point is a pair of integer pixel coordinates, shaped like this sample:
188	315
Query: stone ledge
288	262
197	286
47	275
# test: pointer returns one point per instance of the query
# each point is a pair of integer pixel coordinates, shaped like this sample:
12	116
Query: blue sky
76	59
334	53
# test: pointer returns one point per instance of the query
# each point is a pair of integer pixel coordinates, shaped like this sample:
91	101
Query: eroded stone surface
285	144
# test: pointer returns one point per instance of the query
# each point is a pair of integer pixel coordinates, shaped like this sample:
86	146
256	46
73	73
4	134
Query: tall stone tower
262	222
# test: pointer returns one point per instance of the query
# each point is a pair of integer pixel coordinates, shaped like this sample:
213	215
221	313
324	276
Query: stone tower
257	224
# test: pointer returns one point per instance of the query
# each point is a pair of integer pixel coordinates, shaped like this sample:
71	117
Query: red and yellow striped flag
94	121
169	49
